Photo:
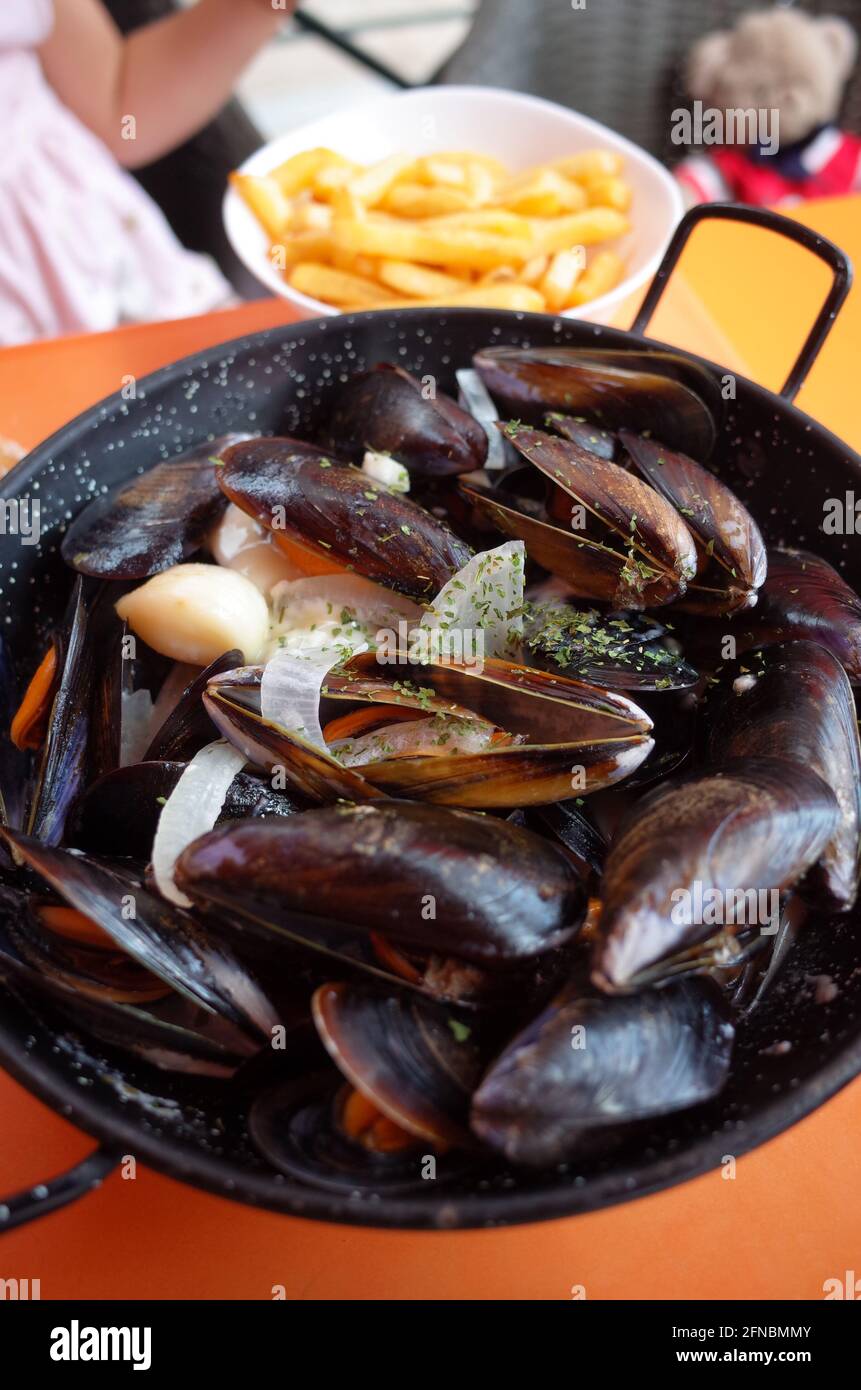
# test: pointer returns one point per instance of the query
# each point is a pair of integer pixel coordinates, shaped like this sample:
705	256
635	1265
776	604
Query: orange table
791	1218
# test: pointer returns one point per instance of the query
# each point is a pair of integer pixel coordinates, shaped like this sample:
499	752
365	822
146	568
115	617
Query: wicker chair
618	61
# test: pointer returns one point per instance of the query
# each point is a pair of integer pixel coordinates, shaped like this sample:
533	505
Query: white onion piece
436	737
386	470
290	691
191	810
309	614
477	400
238	542
486	595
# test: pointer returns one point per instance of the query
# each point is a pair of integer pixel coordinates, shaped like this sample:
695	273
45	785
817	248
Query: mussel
658	392
308	499
608	535
588	1068
442	881
389	411
803	596
714	849
730	550
794	699
152	522
559	737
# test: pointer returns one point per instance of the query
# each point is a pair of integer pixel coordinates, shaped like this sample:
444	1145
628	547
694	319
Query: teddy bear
765	97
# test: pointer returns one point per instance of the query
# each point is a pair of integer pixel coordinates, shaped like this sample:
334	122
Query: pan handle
833	257
45	1197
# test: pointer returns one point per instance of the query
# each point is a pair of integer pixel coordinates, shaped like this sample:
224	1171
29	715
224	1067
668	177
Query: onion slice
476	398
290	691
487	596
337	611
191	810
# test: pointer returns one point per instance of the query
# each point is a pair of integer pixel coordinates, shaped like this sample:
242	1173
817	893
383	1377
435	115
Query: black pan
782	463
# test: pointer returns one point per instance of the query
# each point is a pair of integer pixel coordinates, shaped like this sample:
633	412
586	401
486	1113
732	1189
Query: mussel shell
590	437
570	824
159	936
153	521
793	700
450	882
618	651
748	827
302	495
589	1064
385	409
118	814
731	550
655	392
631	512
415	1061
803	596
188	728
564	724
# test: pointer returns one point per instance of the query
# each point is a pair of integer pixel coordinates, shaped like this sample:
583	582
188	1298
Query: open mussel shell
388	410
803	596
731	551
589	1066
793	700
449	882
618	651
656	392
336	512
700	852
187	728
573	737
159	936
152	522
417	1062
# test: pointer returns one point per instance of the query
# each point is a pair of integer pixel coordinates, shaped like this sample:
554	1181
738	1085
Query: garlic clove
193	613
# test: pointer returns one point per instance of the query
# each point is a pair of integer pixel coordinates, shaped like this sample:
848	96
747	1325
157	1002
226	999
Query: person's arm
172	76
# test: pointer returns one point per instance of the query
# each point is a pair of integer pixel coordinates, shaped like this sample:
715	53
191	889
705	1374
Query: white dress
82	246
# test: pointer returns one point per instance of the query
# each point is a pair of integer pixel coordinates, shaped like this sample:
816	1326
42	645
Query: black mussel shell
416	1061
188	727
155	933
485	891
152	522
732	558
590	437
619	651
803	596
691	851
656	392
793	700
337	513
386	409
589	1065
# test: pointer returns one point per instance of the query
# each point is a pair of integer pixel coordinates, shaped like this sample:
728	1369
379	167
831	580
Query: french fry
542	193
339	286
602	275
419	281
453	227
419	200
578	229
266	200
372	185
557	284
301	169
608	191
463	247
507	296
589	164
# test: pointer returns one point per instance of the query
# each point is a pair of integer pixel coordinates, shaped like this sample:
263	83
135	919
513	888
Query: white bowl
521	130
